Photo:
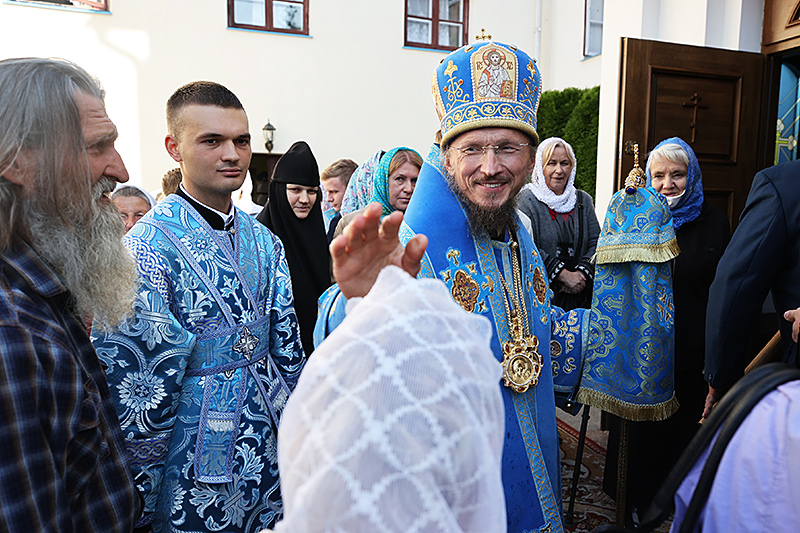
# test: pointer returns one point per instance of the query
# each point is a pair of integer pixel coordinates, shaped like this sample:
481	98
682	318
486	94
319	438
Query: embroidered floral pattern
141	391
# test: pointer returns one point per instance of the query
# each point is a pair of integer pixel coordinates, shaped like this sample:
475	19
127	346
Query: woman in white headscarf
397	422
564	224
133	202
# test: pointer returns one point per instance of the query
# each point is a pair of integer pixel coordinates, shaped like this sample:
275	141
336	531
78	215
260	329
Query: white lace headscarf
563	203
397	421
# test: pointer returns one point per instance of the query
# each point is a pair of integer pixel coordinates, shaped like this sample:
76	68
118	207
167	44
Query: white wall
348	89
562	60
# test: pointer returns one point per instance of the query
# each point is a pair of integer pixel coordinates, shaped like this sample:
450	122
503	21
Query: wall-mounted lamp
269	135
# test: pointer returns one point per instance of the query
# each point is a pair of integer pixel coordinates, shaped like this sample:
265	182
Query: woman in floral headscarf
703	233
564	225
393	183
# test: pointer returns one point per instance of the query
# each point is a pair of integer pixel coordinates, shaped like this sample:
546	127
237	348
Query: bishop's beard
494	221
85	249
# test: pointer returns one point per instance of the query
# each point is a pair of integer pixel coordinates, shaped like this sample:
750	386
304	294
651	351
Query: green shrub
581	132
555	109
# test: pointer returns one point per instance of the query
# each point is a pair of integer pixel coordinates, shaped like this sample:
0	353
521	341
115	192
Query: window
593	28
788	130
438	24
287	16
90	5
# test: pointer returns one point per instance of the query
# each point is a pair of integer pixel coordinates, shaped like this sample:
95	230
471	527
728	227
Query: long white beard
88	255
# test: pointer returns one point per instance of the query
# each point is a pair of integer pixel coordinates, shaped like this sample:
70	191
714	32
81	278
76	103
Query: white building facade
349	82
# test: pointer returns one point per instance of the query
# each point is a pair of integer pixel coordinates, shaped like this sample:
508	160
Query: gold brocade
465	291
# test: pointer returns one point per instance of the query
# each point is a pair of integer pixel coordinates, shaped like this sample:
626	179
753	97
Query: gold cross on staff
696	105
483	36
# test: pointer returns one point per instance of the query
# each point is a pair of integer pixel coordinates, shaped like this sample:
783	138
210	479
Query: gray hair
40	114
129	190
671	152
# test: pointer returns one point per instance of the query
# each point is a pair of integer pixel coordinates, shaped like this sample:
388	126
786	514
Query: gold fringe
626	253
626	410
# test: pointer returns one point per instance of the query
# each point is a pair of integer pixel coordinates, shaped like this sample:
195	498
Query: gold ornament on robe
522	362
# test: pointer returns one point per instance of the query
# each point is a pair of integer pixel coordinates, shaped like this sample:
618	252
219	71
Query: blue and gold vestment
629	362
203	370
470	265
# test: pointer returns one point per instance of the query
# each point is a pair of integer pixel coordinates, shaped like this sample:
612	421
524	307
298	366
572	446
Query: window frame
268	25
587	26
435	27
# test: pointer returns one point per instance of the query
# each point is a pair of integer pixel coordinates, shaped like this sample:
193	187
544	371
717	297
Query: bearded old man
464	205
62	455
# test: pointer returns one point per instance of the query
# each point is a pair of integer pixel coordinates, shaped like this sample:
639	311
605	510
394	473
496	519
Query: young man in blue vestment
203	370
464	203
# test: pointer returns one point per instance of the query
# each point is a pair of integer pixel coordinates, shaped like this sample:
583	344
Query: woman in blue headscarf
393	183
703	233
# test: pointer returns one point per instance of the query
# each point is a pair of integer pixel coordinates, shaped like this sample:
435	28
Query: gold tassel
625	253
626	410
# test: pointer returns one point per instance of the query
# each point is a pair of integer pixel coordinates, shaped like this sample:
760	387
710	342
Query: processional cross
483	36
696	105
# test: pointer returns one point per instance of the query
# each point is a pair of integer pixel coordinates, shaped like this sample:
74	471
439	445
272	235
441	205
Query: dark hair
197	93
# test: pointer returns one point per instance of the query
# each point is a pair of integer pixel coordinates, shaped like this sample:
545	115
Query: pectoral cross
696	105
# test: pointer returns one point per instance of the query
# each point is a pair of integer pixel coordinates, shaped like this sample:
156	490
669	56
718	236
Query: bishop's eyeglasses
504	152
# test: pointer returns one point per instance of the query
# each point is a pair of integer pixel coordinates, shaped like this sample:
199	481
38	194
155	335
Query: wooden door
710	98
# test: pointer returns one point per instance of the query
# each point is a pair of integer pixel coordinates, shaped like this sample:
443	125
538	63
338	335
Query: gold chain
517	298
522	363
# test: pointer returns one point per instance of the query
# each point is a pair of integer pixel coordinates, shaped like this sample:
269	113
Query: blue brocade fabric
203	370
629	364
470	266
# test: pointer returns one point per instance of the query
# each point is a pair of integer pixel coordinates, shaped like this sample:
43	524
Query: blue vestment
202	372
470	265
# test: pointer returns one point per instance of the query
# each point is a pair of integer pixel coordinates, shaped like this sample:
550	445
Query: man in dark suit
763	254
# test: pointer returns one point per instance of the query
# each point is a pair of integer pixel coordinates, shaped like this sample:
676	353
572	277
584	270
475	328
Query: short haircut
197	93
39	112
171	180
342	169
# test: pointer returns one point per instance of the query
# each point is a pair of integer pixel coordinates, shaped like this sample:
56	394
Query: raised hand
367	246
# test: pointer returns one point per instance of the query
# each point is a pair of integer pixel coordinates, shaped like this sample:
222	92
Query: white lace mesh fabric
397	421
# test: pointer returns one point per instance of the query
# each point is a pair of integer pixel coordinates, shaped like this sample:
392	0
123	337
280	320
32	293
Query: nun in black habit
293	212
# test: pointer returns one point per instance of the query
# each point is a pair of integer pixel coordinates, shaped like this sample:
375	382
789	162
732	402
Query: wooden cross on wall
696	105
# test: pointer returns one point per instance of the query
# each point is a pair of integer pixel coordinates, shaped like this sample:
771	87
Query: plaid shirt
62	455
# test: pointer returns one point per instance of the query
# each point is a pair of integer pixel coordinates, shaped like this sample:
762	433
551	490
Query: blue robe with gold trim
469	265
203	370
